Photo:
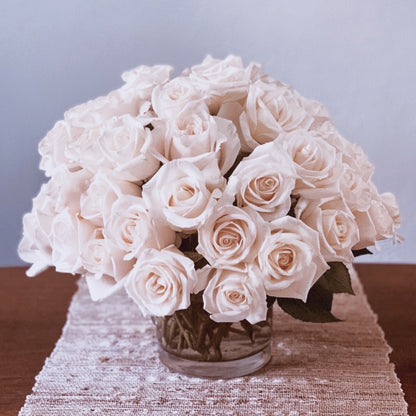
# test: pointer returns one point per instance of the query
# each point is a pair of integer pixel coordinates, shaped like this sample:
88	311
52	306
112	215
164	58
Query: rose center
236	297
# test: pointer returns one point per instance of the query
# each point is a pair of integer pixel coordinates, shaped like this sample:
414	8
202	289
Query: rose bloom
290	259
128	146
35	246
270	109
355	190
95	113
380	221
68	237
332	136
104	266
231	235
317	163
264	181
104	189
336	225
52	149
62	192
223	80
131	228
182	195
234	295
195	133
161	281
390	203
171	98
143	79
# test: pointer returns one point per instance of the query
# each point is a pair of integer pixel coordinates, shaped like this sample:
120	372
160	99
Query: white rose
234	295
313	107
183	195
356	192
60	193
104	189
270	109
94	113
264	181
103	265
35	246
143	79
223	80
355	157
128	145
131	227
390	202
63	191
336	225
317	163
99	258
69	235
231	235
194	133
53	147
331	135
170	99
161	281
290	259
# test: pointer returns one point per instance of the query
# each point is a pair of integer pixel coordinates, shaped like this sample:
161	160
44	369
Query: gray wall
357	57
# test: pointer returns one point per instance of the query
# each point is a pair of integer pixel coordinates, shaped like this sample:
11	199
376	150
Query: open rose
161	281
338	231
234	295
194	133
63	190
143	79
223	80
270	109
290	259
99	258
94	113
317	163
356	191
171	98
264	181
61	193
231	235
104	189
104	266
53	149
131	227
128	146
35	246
69	235
183	195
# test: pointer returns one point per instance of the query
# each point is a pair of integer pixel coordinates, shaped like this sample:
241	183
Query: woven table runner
106	363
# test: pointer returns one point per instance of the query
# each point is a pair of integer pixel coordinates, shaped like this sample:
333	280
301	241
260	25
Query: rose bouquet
206	197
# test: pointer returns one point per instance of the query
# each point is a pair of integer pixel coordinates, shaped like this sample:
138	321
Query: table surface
33	312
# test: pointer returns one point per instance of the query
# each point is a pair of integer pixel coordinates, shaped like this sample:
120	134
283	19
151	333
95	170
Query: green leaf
337	279
193	255
317	307
197	258
361	252
270	300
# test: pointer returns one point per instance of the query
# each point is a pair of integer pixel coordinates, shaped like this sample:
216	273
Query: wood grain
33	312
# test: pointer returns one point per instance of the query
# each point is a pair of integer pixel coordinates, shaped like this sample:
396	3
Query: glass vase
191	343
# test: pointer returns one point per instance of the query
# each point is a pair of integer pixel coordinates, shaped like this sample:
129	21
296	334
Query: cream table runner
106	363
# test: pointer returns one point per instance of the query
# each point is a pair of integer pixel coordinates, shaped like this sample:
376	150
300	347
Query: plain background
357	57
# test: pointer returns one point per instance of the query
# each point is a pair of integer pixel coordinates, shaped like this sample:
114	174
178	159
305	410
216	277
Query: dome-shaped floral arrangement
222	182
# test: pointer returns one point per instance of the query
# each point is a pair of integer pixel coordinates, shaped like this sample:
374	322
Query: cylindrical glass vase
191	343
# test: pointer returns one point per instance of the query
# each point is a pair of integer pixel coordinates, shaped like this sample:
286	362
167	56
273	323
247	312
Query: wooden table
33	312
